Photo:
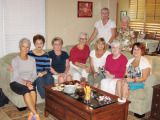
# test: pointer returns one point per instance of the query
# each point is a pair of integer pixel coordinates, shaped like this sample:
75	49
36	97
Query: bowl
70	82
69	89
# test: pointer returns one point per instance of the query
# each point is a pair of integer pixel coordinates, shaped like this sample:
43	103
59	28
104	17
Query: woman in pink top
78	57
115	68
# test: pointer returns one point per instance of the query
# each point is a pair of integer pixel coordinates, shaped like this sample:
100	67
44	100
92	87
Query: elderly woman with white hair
126	34
115	67
23	77
78	57
104	28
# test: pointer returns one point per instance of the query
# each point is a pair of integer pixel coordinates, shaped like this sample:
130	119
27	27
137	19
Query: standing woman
97	59
137	71
78	57
59	61
23	77
44	77
104	28
115	67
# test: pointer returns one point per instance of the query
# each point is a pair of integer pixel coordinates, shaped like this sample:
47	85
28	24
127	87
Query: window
19	19
145	16
1	28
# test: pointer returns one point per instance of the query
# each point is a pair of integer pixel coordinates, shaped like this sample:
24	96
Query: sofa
141	99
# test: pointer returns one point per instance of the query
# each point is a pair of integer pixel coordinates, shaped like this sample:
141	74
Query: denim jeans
45	80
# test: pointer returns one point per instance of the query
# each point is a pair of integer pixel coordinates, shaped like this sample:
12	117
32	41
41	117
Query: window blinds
1	29
145	15
22	18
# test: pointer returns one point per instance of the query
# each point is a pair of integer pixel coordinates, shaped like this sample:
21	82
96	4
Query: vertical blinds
1	28
21	18
145	16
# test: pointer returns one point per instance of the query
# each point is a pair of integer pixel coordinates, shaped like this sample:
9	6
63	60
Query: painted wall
123	5
62	20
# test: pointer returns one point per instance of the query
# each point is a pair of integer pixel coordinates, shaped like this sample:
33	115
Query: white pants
77	72
109	85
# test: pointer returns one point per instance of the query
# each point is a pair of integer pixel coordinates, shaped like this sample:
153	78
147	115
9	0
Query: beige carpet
10	112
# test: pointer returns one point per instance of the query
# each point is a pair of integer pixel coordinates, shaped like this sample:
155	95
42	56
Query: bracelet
134	81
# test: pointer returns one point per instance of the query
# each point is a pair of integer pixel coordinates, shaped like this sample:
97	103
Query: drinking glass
83	81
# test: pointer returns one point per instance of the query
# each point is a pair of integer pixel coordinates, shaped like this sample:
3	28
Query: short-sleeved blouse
58	62
125	38
104	31
98	62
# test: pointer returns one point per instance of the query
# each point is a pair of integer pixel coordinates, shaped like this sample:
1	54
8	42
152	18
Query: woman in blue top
60	61
44	77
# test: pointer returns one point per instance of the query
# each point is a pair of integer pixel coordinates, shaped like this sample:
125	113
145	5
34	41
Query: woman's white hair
106	9
125	18
116	43
83	33
24	40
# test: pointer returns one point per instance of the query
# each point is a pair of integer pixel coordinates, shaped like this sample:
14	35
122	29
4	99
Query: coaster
121	100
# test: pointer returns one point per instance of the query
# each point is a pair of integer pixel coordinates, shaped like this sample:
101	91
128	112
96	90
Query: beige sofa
140	99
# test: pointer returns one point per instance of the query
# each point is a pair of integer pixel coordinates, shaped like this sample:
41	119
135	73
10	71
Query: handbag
3	99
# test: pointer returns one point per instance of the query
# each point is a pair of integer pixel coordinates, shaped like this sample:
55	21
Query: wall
62	20
123	5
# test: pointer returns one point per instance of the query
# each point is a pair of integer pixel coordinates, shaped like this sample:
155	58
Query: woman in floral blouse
126	34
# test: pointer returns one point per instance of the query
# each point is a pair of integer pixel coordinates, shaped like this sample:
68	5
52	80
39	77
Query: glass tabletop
97	99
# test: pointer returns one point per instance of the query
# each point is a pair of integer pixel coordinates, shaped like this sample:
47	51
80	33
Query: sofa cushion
68	48
8	58
138	94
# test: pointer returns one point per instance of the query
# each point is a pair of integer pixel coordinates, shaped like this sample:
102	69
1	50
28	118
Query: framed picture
123	13
85	9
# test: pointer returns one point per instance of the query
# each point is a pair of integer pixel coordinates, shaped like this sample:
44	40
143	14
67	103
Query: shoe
36	117
30	116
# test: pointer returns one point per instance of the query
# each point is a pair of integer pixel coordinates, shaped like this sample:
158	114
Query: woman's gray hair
125	18
116	43
24	40
106	9
83	33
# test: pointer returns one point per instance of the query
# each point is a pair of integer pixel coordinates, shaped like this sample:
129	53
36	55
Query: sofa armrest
151	80
5	75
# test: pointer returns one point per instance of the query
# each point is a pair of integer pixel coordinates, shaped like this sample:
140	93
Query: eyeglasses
115	48
83	38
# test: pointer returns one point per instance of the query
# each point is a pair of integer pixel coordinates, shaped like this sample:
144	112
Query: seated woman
59	61
126	34
115	67
44	77
137	71
78	57
23	77
97	59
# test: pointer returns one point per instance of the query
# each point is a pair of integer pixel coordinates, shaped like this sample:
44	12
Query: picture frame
123	13
85	9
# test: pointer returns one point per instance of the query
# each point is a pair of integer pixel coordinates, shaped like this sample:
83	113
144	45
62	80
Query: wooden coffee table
65	107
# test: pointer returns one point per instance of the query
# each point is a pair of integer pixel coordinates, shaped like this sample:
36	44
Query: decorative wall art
123	13
85	9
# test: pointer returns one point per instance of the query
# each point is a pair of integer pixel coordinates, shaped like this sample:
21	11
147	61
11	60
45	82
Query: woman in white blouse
104	28
137	71
97	59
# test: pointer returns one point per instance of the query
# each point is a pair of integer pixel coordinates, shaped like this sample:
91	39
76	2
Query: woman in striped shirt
44	77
